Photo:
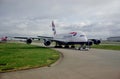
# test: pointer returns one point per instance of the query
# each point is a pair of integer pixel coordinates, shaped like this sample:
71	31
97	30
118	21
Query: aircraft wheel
58	46
72	46
84	47
66	46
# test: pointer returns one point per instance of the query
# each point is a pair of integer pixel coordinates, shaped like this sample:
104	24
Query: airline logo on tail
53	28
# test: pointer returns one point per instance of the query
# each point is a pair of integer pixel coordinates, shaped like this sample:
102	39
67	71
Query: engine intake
47	42
96	41
89	43
29	41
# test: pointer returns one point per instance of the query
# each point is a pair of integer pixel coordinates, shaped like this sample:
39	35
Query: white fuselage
71	37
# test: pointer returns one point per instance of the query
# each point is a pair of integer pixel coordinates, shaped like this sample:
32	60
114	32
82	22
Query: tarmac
75	64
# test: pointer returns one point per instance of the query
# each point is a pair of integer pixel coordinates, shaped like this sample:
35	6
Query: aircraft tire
72	46
66	46
58	46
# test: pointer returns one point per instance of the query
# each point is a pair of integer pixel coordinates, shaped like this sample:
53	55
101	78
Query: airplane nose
84	39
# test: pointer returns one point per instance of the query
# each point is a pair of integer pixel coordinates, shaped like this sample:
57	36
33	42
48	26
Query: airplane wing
21	37
29	40
26	38
45	37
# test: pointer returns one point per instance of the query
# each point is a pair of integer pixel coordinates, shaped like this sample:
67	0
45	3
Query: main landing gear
83	46
64	46
58	45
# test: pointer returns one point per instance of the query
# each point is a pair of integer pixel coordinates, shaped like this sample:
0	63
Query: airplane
3	39
66	40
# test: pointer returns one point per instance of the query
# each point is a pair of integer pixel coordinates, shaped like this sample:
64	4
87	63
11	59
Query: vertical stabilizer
53	28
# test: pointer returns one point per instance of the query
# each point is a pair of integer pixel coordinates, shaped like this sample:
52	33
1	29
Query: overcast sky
97	18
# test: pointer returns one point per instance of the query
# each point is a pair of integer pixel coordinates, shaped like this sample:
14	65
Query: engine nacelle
29	41
96	41
89	43
47	42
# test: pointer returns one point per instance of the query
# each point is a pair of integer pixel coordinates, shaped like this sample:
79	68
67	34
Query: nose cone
83	37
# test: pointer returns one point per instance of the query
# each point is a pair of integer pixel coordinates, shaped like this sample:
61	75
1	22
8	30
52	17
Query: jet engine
89	43
96	41
47	42
29	41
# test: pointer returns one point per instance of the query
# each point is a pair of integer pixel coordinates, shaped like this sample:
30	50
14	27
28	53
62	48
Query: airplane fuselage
73	37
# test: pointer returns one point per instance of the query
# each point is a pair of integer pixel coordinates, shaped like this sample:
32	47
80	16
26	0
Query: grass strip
109	47
17	56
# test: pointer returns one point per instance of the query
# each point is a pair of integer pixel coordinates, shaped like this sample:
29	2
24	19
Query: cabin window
82	35
67	36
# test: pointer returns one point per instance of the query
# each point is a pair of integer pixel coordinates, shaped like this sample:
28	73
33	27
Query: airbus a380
66	40
3	39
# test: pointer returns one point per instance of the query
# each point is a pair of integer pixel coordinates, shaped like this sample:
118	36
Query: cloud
97	18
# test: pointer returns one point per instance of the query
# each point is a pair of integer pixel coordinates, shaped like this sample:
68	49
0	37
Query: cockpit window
82	35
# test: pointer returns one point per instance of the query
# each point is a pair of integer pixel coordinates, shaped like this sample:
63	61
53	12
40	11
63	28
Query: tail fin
53	28
4	38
